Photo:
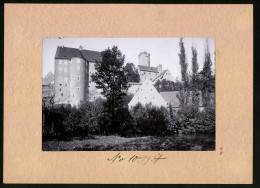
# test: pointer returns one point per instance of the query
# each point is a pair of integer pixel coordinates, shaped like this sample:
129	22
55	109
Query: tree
166	85
183	64
110	77
131	72
195	78
184	93
207	80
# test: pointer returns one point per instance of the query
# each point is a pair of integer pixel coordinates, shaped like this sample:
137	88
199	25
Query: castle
147	72
73	68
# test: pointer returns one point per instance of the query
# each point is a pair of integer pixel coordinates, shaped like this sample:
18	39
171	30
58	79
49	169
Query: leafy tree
150	119
110	77
207	79
166	85
195	78
183	64
131	72
184	93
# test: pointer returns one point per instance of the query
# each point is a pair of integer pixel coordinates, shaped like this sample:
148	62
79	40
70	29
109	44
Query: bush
150	120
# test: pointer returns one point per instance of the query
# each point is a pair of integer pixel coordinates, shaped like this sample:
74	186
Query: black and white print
128	94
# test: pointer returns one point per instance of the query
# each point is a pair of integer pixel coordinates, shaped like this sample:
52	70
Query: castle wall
62	81
77	81
144	75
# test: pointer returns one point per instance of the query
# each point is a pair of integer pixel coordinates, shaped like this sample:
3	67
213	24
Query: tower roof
144	52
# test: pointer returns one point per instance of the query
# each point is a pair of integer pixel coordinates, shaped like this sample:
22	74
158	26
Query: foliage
150	119
195	78
110	77
167	85
184	93
183	63
190	120
207	79
131	72
65	120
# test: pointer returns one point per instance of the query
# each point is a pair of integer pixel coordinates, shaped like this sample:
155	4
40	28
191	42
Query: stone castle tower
71	82
144	59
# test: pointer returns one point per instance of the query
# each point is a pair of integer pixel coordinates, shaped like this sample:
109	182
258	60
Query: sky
162	51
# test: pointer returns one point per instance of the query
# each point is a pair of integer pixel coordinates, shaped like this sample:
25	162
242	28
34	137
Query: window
78	78
78	67
60	69
60	62
61	94
60	84
78	60
66	85
65	62
65	69
60	89
65	79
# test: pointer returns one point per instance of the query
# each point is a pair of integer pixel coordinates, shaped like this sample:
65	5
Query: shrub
150	119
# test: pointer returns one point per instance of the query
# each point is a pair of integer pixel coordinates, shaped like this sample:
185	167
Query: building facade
146	94
147	72
72	74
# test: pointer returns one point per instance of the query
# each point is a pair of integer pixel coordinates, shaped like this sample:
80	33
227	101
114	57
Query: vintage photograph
128	94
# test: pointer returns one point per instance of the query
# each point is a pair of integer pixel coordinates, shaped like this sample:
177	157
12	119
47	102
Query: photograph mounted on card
128	94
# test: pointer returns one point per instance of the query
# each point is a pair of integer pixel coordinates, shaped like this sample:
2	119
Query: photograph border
256	130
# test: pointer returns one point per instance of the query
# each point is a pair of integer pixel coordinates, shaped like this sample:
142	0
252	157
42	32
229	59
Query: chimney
80	47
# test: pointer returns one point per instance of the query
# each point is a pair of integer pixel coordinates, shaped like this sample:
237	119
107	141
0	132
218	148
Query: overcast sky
162	51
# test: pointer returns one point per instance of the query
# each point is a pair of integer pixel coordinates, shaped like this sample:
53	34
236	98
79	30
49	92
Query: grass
193	142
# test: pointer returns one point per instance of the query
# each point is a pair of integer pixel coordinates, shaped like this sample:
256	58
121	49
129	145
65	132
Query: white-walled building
146	94
147	72
72	70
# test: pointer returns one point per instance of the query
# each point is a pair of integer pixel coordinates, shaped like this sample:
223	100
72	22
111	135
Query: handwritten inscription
118	158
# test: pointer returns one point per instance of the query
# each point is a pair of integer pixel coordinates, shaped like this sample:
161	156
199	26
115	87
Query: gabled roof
48	79
91	55
148	69
171	98
146	94
68	53
160	76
